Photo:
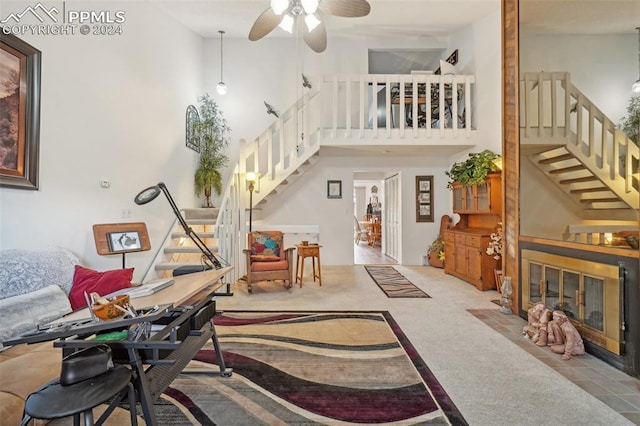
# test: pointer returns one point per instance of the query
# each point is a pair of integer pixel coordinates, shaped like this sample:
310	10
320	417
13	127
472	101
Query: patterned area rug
393	283
310	368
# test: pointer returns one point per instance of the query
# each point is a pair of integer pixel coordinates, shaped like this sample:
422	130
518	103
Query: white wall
112	107
480	54
305	202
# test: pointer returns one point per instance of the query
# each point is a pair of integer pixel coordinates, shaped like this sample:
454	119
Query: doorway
372	212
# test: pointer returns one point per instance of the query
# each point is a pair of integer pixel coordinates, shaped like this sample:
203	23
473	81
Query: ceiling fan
286	13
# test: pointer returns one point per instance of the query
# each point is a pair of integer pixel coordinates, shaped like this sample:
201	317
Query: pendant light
221	88
636	86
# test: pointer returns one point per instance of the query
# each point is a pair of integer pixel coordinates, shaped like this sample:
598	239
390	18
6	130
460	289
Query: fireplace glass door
589	293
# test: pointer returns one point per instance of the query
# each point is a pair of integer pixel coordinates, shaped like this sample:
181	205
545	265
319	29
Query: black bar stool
54	400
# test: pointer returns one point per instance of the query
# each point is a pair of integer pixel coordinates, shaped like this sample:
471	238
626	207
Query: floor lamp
251	182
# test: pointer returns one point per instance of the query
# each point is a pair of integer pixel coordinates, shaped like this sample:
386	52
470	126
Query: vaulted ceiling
416	18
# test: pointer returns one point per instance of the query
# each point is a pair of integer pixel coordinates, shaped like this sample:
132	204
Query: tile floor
611	386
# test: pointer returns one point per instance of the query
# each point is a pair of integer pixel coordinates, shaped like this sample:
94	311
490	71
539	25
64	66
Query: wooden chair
267	259
375	234
360	233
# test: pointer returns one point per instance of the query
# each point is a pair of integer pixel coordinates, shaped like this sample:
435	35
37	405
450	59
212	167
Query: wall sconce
251	178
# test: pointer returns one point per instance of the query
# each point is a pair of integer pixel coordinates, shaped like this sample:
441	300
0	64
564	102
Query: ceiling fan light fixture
312	22
279	6
310	6
287	23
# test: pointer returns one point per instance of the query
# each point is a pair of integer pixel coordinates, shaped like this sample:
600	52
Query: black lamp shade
147	195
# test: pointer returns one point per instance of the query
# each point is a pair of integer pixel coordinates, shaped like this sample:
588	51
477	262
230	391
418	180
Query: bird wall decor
305	82
271	110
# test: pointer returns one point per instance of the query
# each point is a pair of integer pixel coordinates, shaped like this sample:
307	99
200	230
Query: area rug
393	283
309	368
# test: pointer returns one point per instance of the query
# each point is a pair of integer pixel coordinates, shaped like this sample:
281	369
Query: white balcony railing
417	105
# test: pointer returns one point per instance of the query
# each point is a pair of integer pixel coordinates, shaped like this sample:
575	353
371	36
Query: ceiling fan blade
316	39
265	23
345	8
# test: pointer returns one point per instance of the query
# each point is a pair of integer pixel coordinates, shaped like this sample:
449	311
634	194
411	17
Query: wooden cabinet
483	198
479	207
465	256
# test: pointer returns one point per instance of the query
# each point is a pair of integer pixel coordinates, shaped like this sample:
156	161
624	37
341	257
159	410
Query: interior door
360	201
391	218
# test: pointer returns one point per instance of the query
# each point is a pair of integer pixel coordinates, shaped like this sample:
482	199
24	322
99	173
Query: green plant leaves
474	170
213	130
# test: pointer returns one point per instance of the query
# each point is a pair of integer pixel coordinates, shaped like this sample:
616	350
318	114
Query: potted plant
474	169
435	252
213	132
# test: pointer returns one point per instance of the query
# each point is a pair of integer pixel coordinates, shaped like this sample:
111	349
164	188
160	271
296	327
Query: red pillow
102	283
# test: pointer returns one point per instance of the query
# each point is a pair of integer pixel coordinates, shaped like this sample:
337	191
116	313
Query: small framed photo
424	199
123	242
334	189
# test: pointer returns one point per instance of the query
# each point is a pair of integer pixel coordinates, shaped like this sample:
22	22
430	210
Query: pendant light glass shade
287	23
279	6
221	88
309	6
312	22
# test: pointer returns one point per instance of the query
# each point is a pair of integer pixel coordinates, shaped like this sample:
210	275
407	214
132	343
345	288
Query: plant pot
434	260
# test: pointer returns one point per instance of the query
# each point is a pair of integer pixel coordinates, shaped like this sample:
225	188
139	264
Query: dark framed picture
424	199
124	242
334	189
19	113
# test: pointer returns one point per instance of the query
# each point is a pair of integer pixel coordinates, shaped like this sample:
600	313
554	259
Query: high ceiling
416	18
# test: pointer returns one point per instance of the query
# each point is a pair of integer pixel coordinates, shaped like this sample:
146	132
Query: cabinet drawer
449	237
473	240
461	239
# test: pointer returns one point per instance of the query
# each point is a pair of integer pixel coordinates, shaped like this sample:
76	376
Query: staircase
179	250
577	147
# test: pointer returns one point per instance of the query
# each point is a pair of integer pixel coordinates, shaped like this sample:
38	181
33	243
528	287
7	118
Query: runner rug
393	283
309	368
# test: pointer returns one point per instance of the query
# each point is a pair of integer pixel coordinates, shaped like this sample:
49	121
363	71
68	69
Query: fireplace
596	290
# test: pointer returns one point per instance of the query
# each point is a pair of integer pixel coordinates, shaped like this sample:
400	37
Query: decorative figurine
563	336
538	317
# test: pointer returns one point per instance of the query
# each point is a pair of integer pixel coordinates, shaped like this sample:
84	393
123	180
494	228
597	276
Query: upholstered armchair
267	259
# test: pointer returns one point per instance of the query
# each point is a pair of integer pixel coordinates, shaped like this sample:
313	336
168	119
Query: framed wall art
334	189
20	65
424	198
122	242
